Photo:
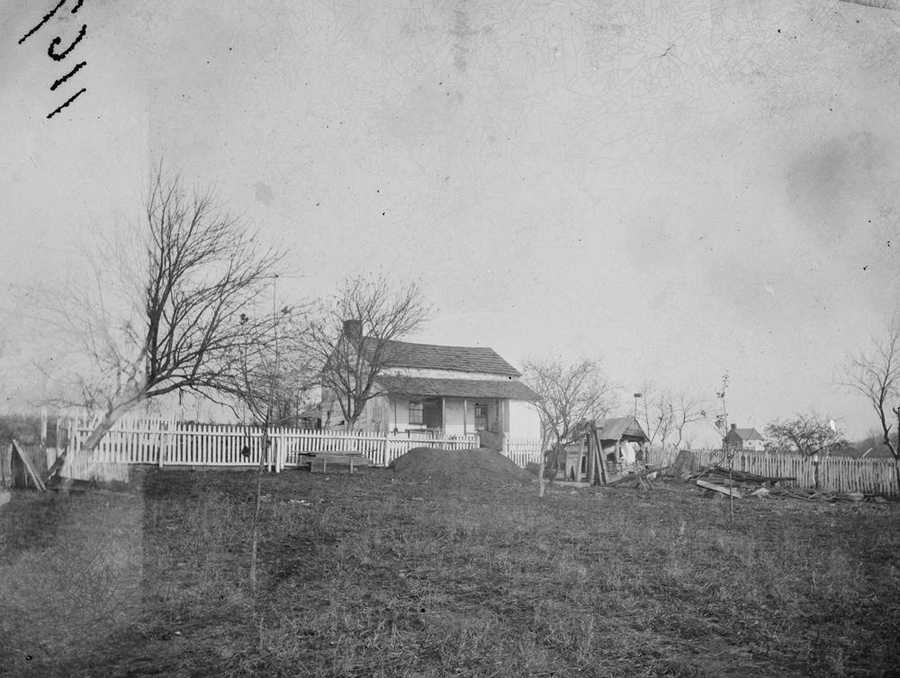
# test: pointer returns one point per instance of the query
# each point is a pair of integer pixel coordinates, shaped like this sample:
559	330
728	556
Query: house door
431	413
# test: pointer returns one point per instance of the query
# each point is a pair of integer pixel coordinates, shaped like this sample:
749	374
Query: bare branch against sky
874	373
186	294
569	394
353	338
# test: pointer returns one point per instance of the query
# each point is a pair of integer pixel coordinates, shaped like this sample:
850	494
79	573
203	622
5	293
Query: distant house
447	390
744	439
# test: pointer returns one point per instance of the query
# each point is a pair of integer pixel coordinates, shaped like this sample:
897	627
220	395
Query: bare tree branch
875	374
666	415
183	304
353	339
568	395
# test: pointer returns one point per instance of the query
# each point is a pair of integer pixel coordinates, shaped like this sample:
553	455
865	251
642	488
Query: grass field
380	575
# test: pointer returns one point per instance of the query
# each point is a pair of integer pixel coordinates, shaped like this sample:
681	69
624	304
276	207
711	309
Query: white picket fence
522	451
163	442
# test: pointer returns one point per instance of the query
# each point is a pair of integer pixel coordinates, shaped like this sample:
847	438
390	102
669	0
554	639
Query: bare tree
267	372
185	298
568	394
688	410
806	434
666	415
656	414
269	376
353	338
875	374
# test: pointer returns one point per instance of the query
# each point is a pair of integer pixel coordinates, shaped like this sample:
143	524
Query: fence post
276	446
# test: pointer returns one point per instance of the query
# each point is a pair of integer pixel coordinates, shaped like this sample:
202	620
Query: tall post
43	427
465	417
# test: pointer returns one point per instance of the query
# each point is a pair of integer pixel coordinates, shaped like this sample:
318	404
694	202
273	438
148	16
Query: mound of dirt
459	467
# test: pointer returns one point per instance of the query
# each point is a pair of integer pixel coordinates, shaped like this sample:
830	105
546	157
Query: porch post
443	416
465	419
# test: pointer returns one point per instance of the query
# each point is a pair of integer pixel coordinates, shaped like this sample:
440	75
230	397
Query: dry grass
379	575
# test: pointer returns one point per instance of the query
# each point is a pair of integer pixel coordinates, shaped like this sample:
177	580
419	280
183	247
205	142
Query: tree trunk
541	470
110	417
254	545
897	472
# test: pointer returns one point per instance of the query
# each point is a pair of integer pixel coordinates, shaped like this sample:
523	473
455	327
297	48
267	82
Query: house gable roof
435	357
615	428
458	388
748	434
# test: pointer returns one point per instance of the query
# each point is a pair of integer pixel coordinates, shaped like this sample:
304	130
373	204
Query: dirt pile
460	467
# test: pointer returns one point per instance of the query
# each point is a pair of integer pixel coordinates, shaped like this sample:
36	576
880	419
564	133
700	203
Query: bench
320	461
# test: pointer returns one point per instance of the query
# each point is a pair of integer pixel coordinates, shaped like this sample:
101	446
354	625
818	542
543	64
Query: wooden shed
601	447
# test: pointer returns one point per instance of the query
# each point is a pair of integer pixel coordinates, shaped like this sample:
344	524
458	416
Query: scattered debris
734	483
640	481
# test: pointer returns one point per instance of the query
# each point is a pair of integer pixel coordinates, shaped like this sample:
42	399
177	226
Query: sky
679	189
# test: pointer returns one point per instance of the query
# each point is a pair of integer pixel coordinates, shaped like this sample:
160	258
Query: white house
450	390
745	439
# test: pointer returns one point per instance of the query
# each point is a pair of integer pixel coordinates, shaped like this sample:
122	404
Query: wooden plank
28	467
730	491
599	451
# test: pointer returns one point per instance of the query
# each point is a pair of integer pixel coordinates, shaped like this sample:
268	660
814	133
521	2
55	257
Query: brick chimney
353	329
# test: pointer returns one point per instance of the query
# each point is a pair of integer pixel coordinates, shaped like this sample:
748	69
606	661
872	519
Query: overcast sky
681	189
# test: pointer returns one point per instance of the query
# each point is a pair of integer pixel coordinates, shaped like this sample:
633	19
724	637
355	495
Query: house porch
447	415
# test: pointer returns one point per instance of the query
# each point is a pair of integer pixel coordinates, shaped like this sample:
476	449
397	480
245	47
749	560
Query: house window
415	413
481	417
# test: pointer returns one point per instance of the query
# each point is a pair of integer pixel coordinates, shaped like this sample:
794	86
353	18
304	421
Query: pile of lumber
740	484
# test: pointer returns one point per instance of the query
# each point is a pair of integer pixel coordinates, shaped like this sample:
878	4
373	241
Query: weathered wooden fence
829	473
